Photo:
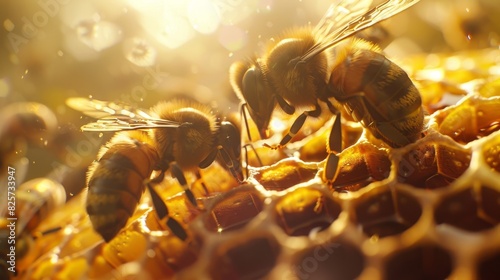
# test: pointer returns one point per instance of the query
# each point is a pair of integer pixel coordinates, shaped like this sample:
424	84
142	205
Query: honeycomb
429	210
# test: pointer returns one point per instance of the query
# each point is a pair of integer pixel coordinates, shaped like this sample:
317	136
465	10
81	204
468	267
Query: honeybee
307	66
176	135
24	124
34	201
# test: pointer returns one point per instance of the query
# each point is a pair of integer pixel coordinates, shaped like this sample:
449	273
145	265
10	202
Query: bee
24	124
177	135
312	65
35	201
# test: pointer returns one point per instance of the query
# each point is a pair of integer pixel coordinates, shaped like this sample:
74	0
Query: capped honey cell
359	166
234	210
305	209
433	165
285	174
474	118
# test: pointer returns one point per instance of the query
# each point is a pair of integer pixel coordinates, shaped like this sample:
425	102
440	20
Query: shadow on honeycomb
429	210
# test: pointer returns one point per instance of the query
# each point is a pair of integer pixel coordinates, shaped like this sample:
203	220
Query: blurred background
143	51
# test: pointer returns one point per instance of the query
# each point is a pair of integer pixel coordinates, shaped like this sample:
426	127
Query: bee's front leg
296	126
334	147
161	209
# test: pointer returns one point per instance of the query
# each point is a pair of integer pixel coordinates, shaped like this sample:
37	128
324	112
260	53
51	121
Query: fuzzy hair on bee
176	135
116	180
195	135
308	66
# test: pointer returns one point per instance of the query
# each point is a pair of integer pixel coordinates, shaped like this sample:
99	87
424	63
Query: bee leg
296	126
198	177
179	175
162	212
230	163
287	108
331	108
334	147
45	232
254	151
242	110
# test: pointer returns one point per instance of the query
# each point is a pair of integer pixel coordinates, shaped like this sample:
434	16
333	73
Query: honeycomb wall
429	210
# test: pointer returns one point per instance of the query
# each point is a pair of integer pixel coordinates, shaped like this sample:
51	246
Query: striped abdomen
116	181
380	95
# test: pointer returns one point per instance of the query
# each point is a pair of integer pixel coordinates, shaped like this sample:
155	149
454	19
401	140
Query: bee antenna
242	110
254	150
45	232
229	163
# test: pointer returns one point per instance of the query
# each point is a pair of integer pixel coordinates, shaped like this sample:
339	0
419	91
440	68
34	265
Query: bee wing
113	116
120	123
99	109
340	14
349	17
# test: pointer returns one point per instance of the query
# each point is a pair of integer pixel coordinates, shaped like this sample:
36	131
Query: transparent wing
114	116
340	14
98	109
343	20
127	123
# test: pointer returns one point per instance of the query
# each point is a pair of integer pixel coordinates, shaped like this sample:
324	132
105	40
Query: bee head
230	152
250	85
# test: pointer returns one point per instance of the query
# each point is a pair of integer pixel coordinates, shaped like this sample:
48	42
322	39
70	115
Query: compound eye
258	96
232	139
251	89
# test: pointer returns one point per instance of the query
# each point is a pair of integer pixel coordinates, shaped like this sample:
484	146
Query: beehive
429	210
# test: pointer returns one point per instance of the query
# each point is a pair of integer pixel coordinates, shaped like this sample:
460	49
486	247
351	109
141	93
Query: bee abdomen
116	184
378	93
388	87
392	98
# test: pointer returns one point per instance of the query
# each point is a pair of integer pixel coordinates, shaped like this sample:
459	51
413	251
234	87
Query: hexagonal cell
361	165
437	95
258	156
464	210
305	209
433	165
234	209
245	259
313	148
490	204
387	213
285	174
421	262
161	248
334	260
491	152
214	180
488	267
474	118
